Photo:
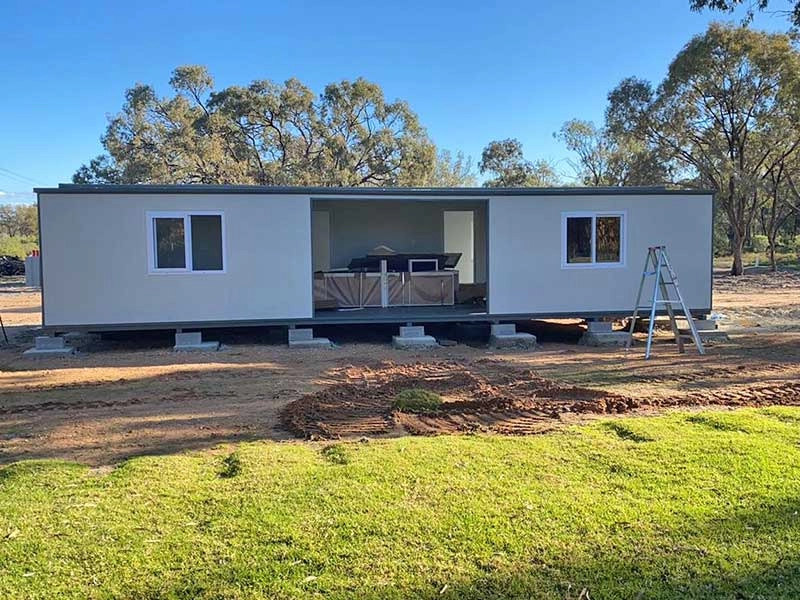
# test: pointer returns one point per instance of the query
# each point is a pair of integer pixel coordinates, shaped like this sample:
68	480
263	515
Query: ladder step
664	281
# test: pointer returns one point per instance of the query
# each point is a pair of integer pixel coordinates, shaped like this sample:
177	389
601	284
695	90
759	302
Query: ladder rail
664	276
671	314
686	312
651	326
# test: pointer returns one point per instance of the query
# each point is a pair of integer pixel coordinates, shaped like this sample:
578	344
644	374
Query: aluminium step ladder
657	265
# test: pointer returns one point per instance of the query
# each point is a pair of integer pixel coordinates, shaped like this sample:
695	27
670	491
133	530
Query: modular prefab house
176	256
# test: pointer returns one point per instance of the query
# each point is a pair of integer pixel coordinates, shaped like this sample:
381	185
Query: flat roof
483	192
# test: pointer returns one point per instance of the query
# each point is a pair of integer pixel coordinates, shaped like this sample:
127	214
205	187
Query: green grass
677	506
417	401
784	260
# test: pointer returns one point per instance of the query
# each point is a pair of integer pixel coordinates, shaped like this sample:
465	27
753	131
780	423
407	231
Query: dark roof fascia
364	191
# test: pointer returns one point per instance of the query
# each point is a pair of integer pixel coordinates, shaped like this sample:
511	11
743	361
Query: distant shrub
14	245
336	454
417	401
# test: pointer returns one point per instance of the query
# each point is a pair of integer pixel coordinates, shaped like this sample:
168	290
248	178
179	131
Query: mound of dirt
484	395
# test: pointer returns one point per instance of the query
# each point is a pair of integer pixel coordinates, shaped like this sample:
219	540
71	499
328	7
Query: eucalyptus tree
781	202
608	158
264	133
452	170
504	159
728	112
793	12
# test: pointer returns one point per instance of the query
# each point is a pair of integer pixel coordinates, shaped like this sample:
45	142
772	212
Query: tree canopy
504	159
793	13
605	157
266	133
727	115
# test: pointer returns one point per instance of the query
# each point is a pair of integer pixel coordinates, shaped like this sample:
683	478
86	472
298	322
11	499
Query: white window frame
593	214
186	215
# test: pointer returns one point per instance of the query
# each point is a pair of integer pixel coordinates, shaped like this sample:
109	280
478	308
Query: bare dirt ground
132	396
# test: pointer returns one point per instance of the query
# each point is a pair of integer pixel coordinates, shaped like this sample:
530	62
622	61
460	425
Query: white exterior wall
525	239
95	260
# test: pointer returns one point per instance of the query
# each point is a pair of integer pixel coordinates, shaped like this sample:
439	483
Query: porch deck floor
402	314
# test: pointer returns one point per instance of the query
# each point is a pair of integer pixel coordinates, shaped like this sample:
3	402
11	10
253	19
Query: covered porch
399	260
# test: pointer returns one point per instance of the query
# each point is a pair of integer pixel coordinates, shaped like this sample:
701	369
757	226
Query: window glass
608	242
206	242
170	243
579	239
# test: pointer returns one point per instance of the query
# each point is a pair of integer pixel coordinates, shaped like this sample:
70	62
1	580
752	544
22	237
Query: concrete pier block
705	325
193	342
413	337
607	338
304	338
708	335
599	326
713	335
707	329
46	342
504	335
47	346
301	335
412	331
503	329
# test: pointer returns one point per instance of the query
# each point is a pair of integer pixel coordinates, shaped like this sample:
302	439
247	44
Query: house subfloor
402	314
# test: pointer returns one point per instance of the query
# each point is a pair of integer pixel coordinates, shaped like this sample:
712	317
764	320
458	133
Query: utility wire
9	174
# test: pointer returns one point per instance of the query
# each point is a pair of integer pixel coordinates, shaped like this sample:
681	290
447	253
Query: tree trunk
772	264
737	246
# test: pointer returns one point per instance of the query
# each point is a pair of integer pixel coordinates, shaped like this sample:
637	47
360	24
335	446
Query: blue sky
473	71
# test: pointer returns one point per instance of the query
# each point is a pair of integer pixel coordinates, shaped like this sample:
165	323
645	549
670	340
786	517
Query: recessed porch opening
398	260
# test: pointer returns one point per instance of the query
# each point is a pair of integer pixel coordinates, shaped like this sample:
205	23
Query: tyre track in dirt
486	396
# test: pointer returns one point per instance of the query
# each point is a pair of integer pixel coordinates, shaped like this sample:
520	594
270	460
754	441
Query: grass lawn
677	506
784	260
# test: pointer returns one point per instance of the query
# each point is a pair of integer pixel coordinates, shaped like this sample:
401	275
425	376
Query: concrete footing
413	337
609	338
304	338
193	342
46	346
600	333
504	335
707	329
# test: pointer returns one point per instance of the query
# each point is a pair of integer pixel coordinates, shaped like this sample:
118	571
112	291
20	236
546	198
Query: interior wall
459	236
